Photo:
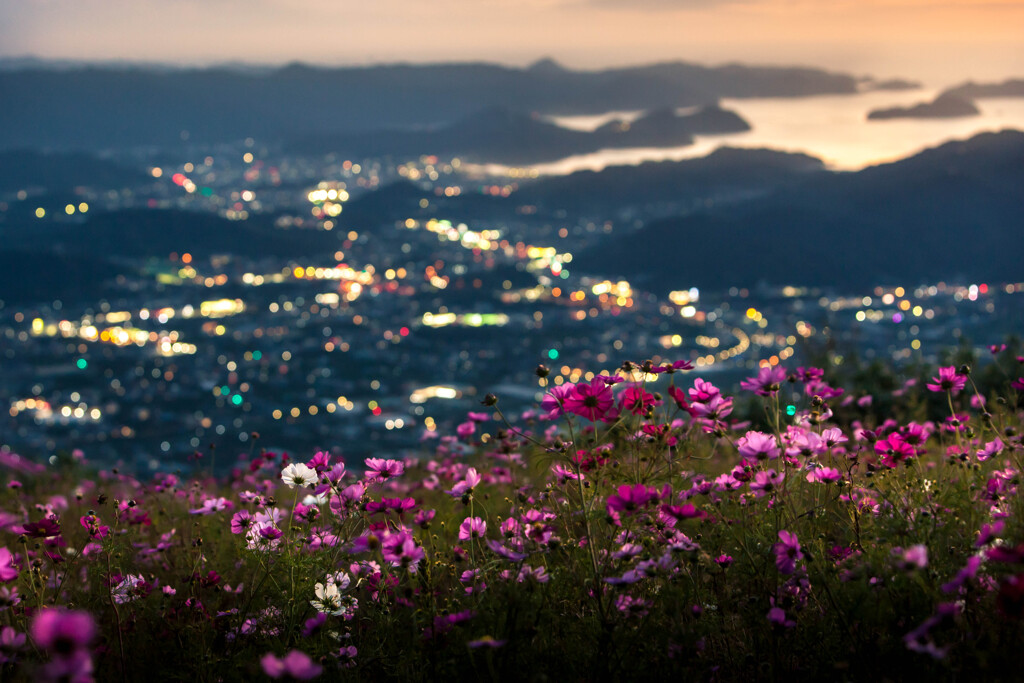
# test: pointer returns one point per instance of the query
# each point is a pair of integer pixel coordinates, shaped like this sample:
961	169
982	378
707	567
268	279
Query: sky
939	42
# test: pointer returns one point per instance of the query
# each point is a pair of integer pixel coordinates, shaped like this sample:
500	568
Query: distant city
190	302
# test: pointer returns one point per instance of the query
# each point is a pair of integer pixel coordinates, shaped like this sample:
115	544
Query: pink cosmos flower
767	382
948	380
991	449
296	664
67	636
592	400
703	390
833	436
346	656
969	571
989	532
241	521
824	475
713	409
401	550
472	527
504	552
914	557
765	482
758	445
804	442
554	400
777	616
378	469
787	552
468	483
672	367
212	505
8	572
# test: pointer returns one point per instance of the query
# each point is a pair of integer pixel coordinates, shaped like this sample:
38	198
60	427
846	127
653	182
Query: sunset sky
940	42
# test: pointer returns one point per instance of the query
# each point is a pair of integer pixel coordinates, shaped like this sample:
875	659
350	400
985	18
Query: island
945	106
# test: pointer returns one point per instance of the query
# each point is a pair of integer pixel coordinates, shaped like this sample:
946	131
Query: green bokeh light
791	410
553	354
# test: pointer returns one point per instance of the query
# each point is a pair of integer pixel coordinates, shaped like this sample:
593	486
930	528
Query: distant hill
945	106
725	173
143	233
950	212
893	84
26	169
500	135
1013	87
106	107
43	277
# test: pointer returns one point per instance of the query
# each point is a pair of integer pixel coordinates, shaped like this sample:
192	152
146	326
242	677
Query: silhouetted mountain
893	84
723	174
27	169
36	277
945	106
1013	87
500	135
107	107
142	233
950	212
546	65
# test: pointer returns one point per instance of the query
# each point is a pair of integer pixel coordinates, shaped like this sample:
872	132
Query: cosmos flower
379	469
630	498
67	636
8	572
472	527
758	445
297	474
948	380
590	400
787	552
295	664
767	382
329	600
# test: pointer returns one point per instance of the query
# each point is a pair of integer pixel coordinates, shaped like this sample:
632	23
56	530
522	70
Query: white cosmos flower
331	601
297	474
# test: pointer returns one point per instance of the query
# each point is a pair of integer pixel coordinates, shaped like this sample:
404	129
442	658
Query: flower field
630	528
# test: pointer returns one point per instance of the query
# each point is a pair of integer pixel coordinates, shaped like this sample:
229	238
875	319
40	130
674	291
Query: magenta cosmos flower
787	552
296	664
62	631
67	636
948	380
592	401
630	498
638	401
767	382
